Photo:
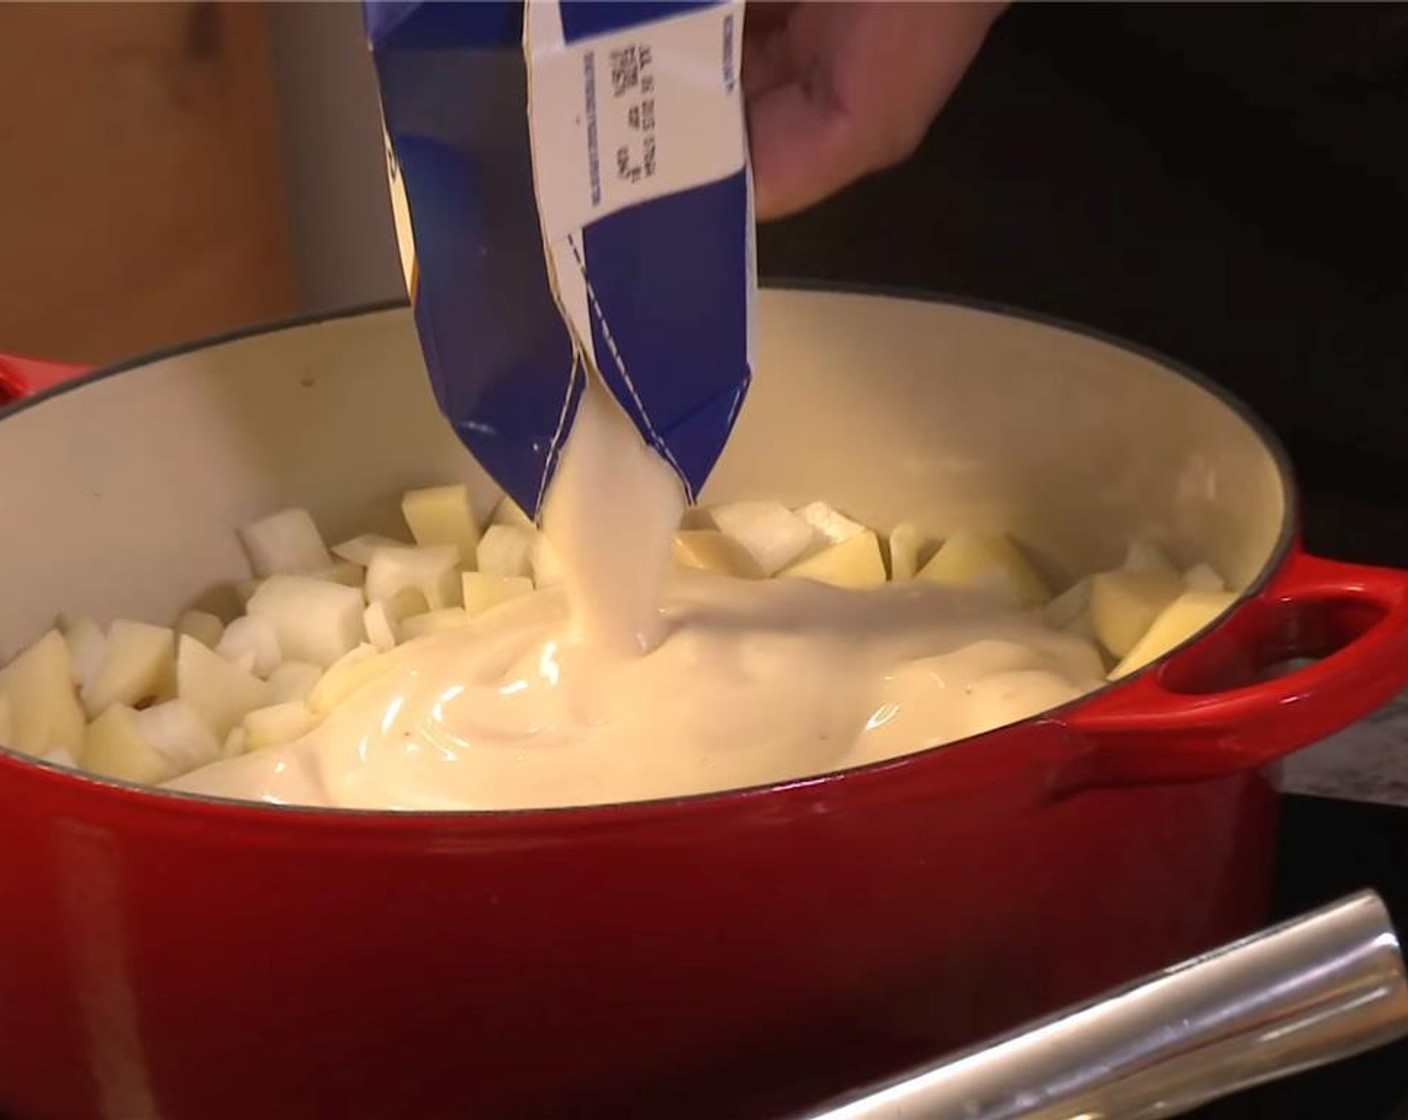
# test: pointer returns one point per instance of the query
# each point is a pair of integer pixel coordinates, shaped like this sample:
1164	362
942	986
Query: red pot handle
1229	702
23	377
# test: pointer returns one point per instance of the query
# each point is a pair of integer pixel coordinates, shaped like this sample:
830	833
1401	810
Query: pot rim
619	812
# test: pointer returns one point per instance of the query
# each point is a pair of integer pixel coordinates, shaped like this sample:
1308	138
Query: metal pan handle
1316	990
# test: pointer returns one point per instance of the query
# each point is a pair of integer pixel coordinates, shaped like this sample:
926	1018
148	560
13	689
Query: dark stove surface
1330	849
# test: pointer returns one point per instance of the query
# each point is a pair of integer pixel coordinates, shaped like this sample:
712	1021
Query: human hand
837	90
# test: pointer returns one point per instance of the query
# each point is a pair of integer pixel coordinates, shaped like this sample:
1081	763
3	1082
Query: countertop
1367	762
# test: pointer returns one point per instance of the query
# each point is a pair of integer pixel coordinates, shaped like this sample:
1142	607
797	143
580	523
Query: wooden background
141	197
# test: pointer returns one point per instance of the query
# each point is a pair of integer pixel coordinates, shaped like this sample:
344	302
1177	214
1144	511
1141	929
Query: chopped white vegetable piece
405	603
1176	623
178	734
905	543
433	622
315	620
43	710
381	631
990	562
1081	627
505	551
344	572
61	756
87	646
1068	606
113	748
245	589
352	671
1203	577
508	512
293	680
772	533
254	637
834	526
433	570
1124	604
360	550
709	550
277	724
234	744
855	562
217	690
137	666
203	626
287	541
547	568
1145	556
482	591
442	515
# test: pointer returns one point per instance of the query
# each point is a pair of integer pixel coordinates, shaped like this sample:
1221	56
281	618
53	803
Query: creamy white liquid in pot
636	682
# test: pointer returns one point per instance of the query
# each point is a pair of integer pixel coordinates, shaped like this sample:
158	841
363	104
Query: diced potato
1176	623
434	621
381	630
855	562
344	572
353	670
178	734
315	620
405	603
505	550
62	756
203	626
772	533
234	744
1068	606
383	618
482	591
293	680
1145	556
712	551
547	568
905	543
433	570
1124	604
508	512
217	690
287	541
1203	577
833	526
1081	627
360	550
114	748
44	711
254	637
442	515
138	666
245	589
277	724
87	646
988	561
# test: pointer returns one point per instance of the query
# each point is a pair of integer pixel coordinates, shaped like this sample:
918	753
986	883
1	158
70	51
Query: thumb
802	148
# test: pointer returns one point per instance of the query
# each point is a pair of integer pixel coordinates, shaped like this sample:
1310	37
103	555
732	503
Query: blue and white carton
572	195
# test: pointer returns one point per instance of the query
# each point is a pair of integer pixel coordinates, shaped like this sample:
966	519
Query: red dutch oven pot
730	955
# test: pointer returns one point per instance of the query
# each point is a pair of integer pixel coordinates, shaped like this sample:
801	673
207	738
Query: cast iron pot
727	955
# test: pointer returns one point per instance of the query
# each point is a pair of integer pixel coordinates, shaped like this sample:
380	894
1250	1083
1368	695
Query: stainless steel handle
1315	990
